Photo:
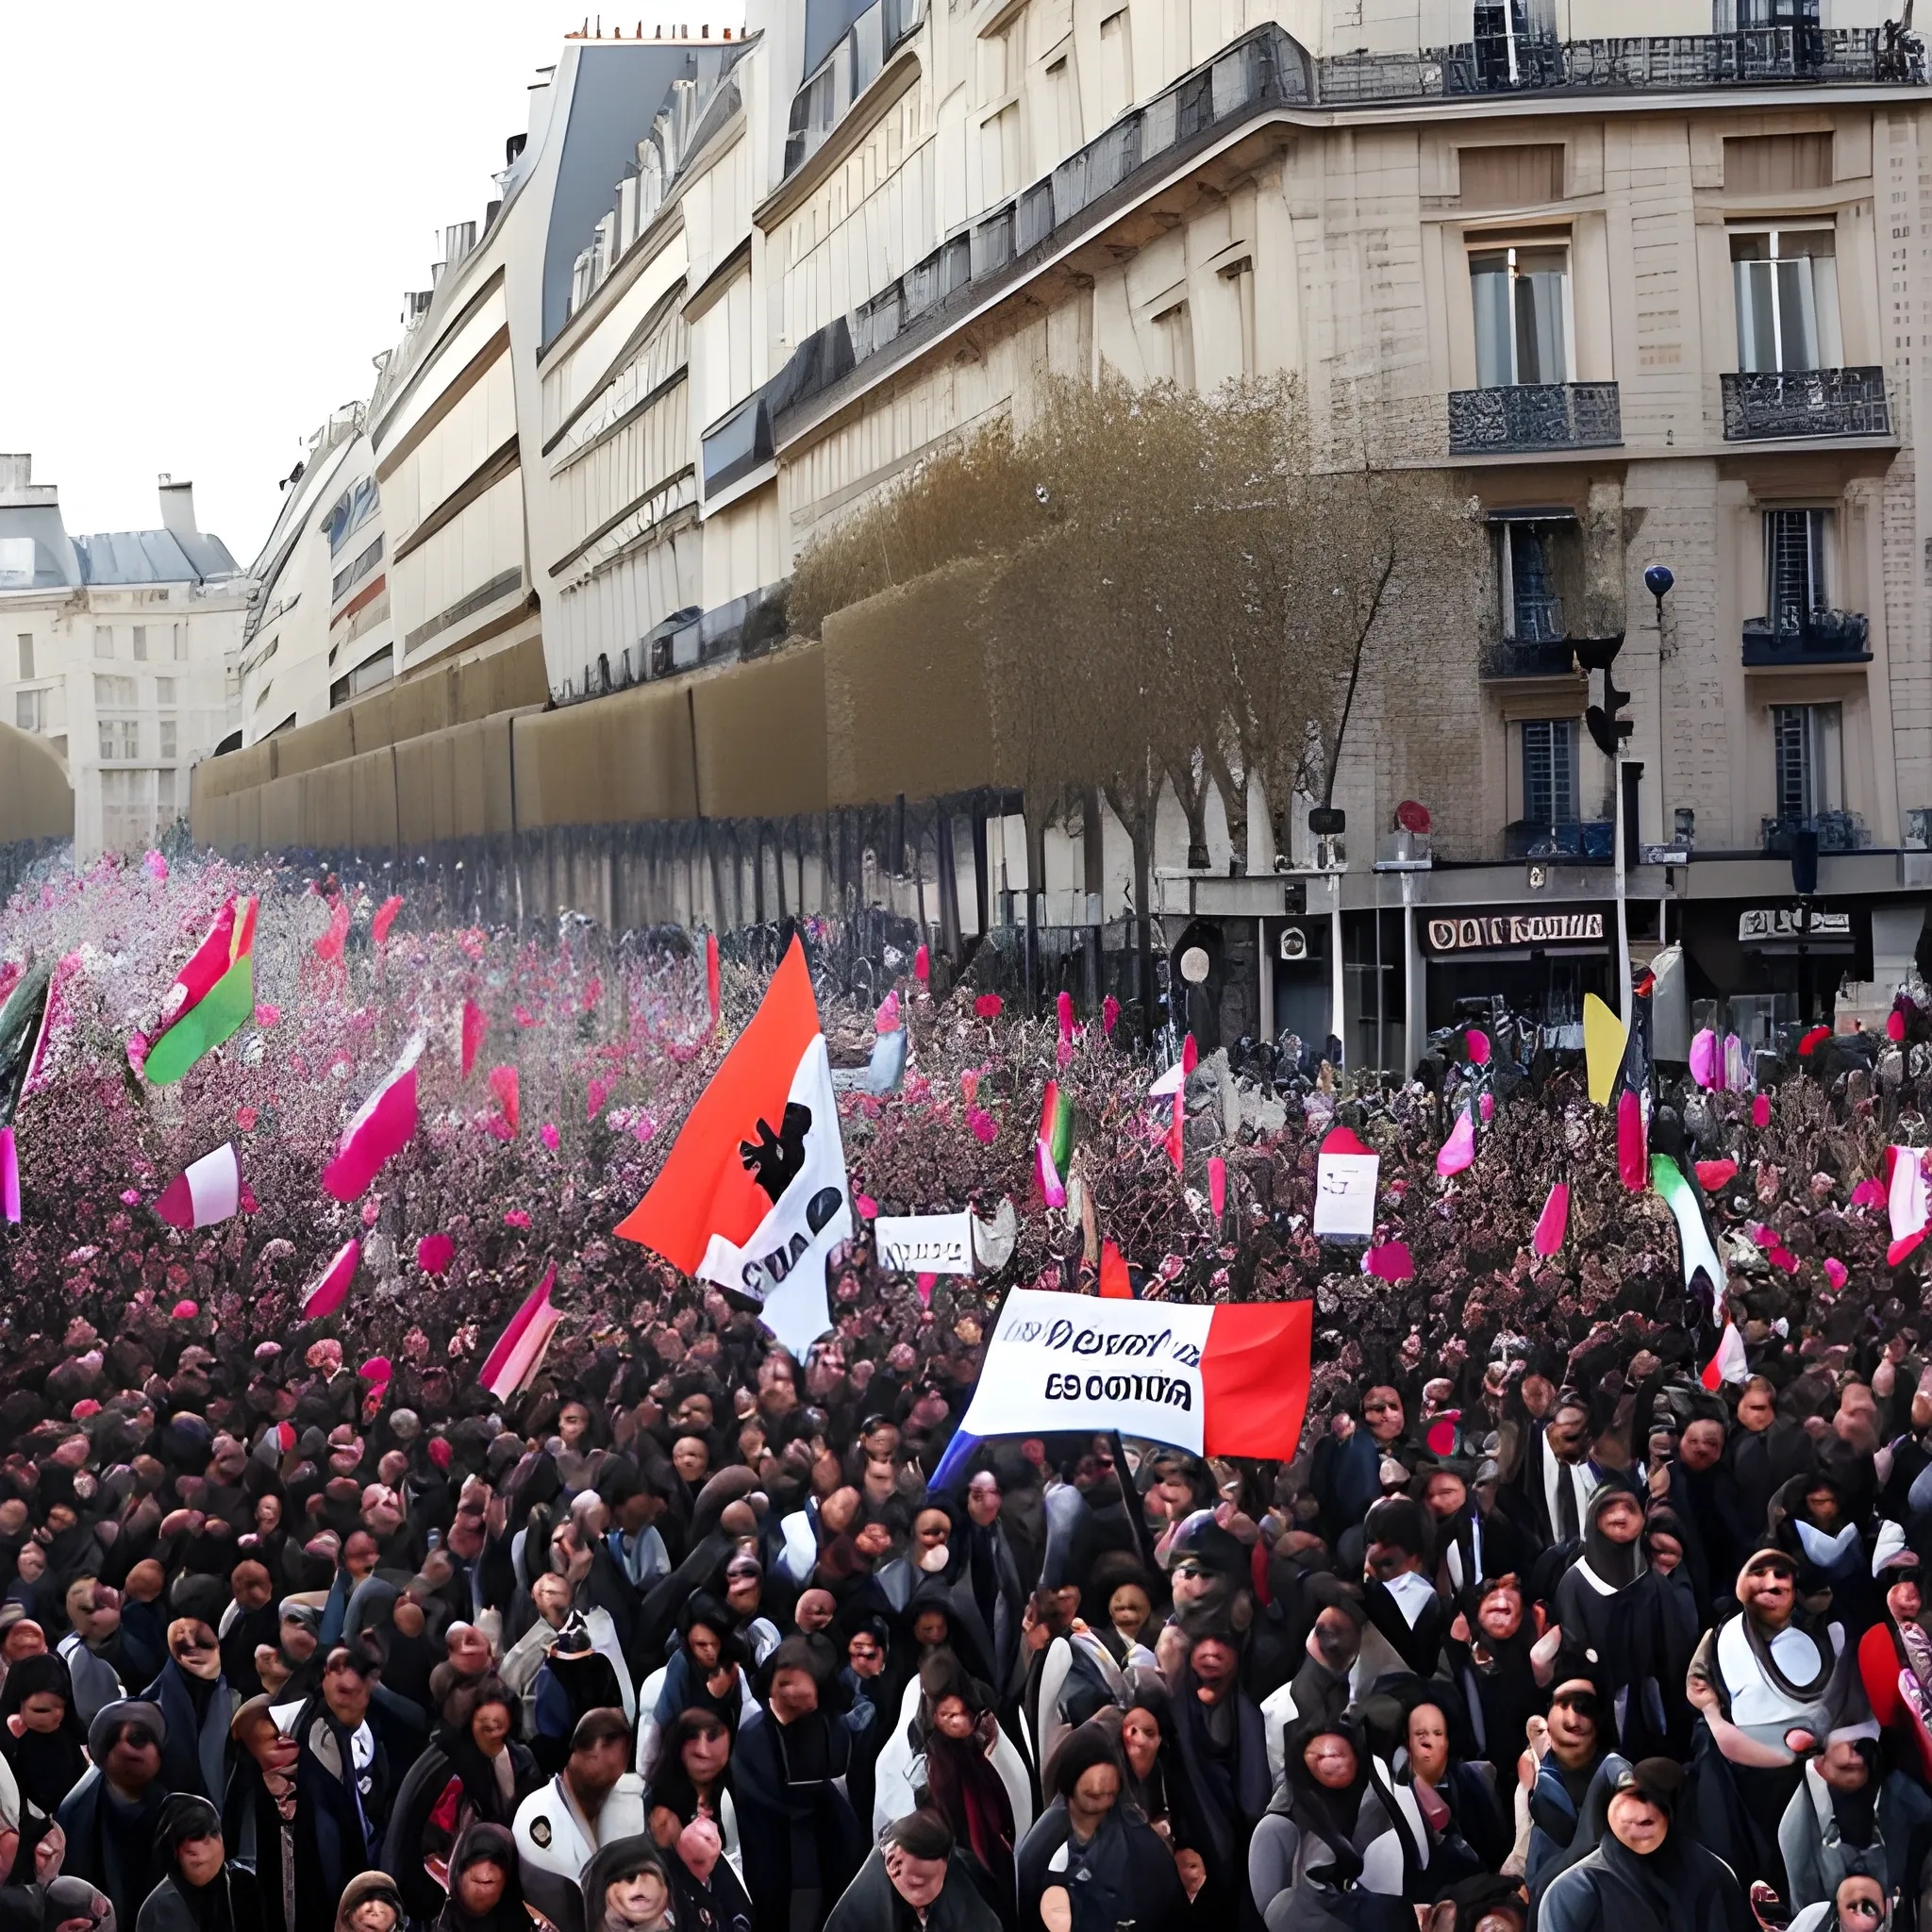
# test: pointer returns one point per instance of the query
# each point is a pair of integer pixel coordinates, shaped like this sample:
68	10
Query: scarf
973	1797
1761	1643
210	1906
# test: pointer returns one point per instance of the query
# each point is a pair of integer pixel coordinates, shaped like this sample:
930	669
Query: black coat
1128	1861
796	1827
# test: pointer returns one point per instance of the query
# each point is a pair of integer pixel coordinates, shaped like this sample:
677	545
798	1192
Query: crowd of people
1540	1629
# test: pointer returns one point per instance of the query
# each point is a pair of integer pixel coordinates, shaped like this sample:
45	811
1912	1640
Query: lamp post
1658	580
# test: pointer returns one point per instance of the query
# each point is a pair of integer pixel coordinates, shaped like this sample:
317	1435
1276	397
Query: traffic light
1605	725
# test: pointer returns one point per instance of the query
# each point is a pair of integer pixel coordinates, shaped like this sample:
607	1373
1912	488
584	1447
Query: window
1533	613
351	510
1510	34
175	649
1062	124
164	796
1175	330
25	641
353	573
169	743
27	709
1806	740
104	641
141	643
59	747
366	676
164	691
115	694
1522	315
16	563
1786	281
1519	176
1116	65
1549	771
1796	585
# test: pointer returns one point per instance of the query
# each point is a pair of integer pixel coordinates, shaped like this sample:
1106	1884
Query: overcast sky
210	210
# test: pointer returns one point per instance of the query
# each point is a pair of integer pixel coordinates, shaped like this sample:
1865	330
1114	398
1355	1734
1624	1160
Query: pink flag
1177	1132
505	1085
712	986
475	1030
520	1348
385	918
329	946
1760	1111
1477	1044
330	1289
10	1176
207	1192
887	1019
1553	1224
1633	1162
1458	1150
211	961
1907	1204
1703	1057
381	1129
1110	1015
922	966
1217	1185
1388	1261
1064	1005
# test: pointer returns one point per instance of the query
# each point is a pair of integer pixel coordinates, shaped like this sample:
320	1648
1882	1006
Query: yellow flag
1604	1034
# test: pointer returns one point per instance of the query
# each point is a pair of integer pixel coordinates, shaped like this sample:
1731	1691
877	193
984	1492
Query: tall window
1796	543
104	641
1787	289
169	742
1510	37
1534	612
141	643
1116	65
1806	740
1522	315
25	641
1549	771
27	709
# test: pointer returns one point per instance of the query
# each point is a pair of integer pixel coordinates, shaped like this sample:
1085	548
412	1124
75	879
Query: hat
1659	1781
123	1711
203	1598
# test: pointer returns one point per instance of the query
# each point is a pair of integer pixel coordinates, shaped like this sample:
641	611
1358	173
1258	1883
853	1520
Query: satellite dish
1195	965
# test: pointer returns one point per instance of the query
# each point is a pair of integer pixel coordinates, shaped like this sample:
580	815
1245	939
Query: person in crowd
1646	1874
109	1820
915	1872
595	1801
43	1743
484	1893
202	1889
1086	1865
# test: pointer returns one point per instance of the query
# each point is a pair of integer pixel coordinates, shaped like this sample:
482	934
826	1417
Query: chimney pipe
178	508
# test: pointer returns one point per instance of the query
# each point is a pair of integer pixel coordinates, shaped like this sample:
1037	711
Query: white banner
925	1243
1345	1196
1059	1361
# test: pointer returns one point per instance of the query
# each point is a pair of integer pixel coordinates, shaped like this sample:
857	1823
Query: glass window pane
1814	242
1489	280
1541	284
1797	315
1757	333
1751	247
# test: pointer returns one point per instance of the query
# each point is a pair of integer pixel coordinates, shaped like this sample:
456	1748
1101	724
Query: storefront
1772	966
1535	962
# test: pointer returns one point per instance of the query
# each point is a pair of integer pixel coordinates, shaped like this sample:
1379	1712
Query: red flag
1115	1283
1254	1378
753	1195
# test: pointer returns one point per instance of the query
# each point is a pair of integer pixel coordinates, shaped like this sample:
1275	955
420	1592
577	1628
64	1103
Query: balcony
1824	636
1808	402
1518	658
736	444
1629	63
1580	839
1837	831
1525	417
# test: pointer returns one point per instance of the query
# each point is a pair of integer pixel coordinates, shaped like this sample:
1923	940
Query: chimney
16	472
178	508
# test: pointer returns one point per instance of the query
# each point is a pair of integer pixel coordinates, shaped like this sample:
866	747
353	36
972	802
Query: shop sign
1484	932
1762	923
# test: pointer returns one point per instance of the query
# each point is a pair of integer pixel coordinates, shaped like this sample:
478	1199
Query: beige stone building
1647	283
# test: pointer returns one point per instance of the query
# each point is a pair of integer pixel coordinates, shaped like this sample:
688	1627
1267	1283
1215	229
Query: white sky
210	209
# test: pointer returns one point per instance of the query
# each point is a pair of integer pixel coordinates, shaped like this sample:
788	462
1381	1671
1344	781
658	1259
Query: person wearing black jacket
202	1890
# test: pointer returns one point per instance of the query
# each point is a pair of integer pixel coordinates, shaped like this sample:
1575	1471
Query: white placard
1059	1361
1345	1196
925	1243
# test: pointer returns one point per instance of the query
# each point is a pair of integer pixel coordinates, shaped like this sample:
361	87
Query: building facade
1643	282
119	650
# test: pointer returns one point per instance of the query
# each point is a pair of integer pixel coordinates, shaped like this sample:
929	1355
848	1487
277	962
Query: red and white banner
519	1349
753	1196
207	1192
1220	1381
381	1128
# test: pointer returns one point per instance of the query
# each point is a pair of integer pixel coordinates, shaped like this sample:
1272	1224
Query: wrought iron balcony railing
1837	831
1805	402
1521	658
1525	416
1826	637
